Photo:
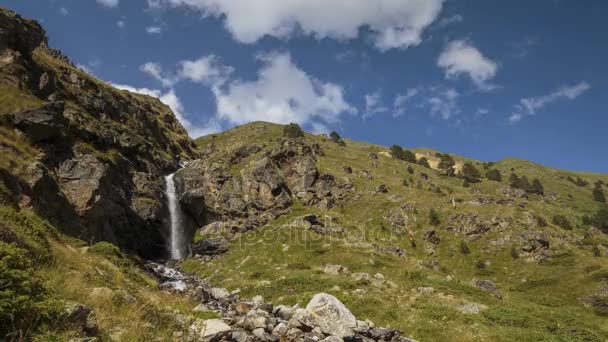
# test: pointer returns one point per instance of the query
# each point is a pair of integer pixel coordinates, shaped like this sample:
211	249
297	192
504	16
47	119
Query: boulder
42	123
471	308
81	316
488	286
335	269
208	330
329	315
213	246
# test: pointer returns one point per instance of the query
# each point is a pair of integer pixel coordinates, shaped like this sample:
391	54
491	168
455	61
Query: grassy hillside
541	300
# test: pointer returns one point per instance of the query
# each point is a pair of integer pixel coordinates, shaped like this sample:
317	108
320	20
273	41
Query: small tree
397	152
334	136
424	162
600	219
598	195
446	164
410	169
409	156
293	130
470	173
514	180
434	217
494	175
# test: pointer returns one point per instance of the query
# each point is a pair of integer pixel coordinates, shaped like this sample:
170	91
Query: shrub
494	175
397	152
600	219
466	183
464	248
541	221
536	187
598	195
600	304
434	217
446	164
24	302
410	169
562	221
293	130
409	156
578	181
106	249
405	182
424	162
480	264
334	136
514	252
470	173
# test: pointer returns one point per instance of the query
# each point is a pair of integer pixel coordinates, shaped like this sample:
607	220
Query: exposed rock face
222	200
103	151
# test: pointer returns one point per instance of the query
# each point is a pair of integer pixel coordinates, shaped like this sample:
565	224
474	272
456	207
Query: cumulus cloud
530	105
154	30
121	24
282	93
155	70
461	58
374	105
108	3
447	21
401	101
206	69
392	23
64	11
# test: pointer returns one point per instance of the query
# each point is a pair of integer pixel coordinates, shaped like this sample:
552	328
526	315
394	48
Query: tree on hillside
446	164
514	180
397	152
409	156
494	175
470	173
424	162
598	194
335	137
600	219
536	188
293	130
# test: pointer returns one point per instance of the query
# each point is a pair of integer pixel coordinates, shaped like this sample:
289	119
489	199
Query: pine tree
397	152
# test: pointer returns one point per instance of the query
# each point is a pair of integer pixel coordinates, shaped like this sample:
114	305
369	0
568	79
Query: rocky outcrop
223	200
103	152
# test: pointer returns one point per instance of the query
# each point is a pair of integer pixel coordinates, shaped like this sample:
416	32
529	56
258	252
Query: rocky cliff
99	153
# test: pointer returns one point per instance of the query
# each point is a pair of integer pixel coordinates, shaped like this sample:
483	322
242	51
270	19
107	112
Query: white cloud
460	57
373	105
170	99
401	100
443	22
206	69
121	24
442	103
282	93
84	68
530	105
154	30
108	3
156	71
64	11
392	23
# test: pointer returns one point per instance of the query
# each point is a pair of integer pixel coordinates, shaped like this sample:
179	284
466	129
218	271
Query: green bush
106	249
424	162
514	252
446	164
293	130
536	188
434	217
470	173
397	152
541	221
562	221
598	195
24	302
464	248
494	175
410	170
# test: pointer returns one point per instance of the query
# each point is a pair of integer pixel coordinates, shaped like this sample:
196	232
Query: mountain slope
494	249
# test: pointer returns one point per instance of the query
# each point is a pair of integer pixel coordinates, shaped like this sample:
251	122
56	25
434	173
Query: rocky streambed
325	318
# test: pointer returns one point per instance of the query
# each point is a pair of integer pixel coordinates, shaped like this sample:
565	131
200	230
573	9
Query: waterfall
176	243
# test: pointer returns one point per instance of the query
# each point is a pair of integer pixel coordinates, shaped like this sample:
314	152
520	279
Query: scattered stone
327	313
431	236
335	269
83	317
219	293
471	308
488	286
426	290
208	330
361	276
381	189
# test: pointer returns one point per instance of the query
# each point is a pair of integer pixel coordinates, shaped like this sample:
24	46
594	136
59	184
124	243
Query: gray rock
208	330
83	317
488	286
327	313
213	246
335	269
43	123
219	293
471	308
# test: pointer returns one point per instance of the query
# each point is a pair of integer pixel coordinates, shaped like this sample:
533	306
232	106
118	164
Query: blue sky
484	79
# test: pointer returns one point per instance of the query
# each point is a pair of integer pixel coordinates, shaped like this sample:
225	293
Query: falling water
176	246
